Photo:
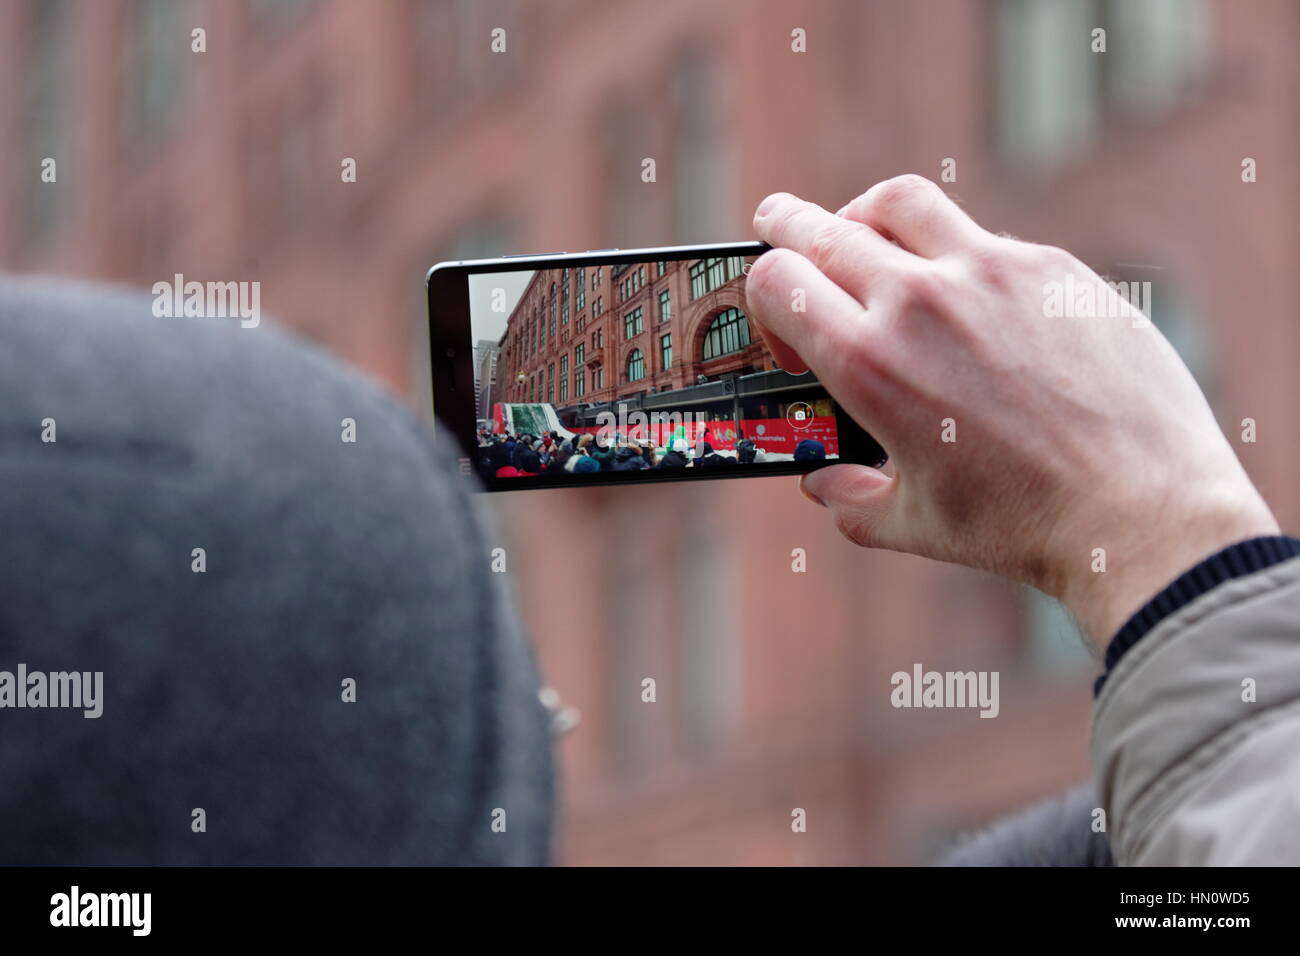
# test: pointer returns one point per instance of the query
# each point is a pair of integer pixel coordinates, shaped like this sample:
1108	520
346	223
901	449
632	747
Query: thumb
863	501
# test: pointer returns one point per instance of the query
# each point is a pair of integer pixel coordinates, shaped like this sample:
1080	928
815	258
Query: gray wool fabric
222	690
1054	832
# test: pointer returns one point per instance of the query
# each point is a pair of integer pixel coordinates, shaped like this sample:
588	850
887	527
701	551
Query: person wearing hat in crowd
603	451
810	449
583	463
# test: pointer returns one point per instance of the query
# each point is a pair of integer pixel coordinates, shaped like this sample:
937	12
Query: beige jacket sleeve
1196	735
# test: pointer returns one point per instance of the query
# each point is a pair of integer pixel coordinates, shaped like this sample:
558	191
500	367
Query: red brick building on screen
590	335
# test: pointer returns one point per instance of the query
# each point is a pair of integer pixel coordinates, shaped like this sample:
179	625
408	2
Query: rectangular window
581	289
580	355
728	333
632	323
697	279
636	366
717	273
44	112
665	306
663	268
155	66
1047	91
579	383
710	274
597	379
666	352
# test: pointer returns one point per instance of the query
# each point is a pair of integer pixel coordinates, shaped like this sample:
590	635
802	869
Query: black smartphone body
616	366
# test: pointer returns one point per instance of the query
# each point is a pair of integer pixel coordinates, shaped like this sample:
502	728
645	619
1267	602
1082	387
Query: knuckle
916	287
1052	258
785	217
900	192
828	241
860	354
995	265
865	355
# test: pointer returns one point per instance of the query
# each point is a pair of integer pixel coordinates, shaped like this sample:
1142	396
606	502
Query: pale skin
1072	434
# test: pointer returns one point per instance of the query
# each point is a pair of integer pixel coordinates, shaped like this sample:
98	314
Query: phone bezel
451	362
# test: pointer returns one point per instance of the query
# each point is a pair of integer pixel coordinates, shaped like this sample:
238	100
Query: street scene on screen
650	365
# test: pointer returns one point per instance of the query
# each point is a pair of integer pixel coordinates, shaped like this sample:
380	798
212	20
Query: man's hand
1069	433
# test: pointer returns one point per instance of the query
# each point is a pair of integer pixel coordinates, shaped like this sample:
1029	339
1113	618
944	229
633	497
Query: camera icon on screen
799	415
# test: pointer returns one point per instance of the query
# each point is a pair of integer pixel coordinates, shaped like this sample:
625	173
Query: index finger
919	214
849	253
810	323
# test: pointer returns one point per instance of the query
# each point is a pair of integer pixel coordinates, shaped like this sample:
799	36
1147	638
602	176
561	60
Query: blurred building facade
770	684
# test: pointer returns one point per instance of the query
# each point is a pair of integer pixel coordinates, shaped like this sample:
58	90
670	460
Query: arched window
728	332
635	366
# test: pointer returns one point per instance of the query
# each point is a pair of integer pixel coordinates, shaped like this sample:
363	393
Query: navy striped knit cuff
1234	561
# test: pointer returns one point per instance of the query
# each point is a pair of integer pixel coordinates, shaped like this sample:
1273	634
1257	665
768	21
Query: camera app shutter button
799	415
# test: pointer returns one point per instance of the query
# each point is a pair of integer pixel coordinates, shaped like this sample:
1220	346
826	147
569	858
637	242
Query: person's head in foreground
301	655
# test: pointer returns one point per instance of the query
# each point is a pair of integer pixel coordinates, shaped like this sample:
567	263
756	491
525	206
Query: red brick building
590	335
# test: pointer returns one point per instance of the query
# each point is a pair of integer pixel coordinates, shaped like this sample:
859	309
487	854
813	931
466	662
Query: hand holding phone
1024	443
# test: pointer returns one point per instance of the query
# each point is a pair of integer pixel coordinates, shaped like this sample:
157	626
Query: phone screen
598	371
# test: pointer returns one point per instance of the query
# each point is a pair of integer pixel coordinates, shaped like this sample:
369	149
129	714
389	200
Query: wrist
1149	552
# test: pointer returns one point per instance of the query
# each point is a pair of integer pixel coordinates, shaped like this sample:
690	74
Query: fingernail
766	206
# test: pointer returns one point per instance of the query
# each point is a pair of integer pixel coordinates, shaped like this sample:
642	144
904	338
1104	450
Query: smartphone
620	366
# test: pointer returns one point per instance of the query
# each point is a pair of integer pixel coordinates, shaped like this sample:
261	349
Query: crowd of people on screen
516	455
